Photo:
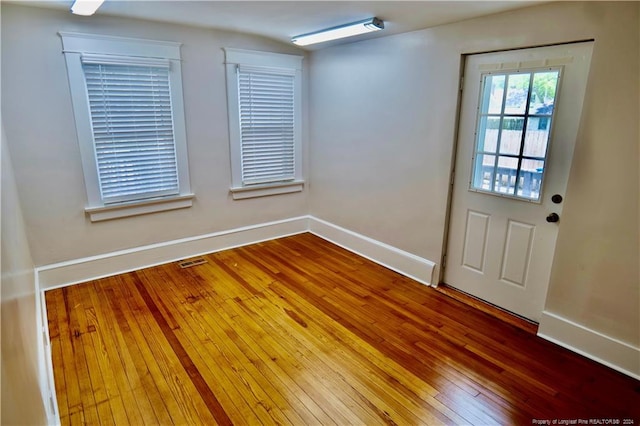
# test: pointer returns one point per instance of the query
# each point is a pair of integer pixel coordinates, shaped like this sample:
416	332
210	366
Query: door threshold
493	310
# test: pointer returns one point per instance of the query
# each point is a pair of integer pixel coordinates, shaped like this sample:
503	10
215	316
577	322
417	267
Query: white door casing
500	248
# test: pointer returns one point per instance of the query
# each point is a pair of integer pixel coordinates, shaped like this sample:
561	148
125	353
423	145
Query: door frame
454	152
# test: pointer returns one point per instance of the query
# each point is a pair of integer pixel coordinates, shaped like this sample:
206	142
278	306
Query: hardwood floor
300	331
494	311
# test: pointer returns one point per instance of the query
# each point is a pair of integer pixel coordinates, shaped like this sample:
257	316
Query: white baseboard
95	267
45	365
405	263
606	350
109	264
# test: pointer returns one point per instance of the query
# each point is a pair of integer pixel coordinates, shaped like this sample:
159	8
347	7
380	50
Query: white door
519	118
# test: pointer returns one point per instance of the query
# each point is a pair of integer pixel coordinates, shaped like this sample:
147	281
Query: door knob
553	217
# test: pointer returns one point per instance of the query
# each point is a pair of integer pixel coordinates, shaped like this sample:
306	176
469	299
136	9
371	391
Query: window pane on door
493	93
506	174
537	137
543	95
517	93
511	138
488	134
530	179
514	121
485	166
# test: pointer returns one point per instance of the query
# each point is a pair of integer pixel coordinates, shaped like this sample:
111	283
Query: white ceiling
282	20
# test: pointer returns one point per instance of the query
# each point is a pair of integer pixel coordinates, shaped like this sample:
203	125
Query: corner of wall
410	265
24	382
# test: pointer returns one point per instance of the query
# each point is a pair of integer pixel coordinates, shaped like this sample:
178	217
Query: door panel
517	252
475	240
519	118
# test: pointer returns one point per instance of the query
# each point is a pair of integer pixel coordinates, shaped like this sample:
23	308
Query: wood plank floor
299	331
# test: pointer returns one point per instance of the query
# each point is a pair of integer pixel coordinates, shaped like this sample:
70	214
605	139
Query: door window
515	115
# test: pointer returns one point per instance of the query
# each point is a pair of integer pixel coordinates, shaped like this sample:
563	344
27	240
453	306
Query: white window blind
132	124
267	124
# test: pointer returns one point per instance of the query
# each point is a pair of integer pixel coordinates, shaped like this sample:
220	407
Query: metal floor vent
192	262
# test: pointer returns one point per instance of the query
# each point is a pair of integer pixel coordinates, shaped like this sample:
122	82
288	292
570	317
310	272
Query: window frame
520	157
270	62
77	44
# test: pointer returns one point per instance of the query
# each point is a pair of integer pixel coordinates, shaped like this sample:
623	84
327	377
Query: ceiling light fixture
342	31
85	7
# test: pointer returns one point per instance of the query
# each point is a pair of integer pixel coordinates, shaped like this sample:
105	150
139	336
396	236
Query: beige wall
382	130
21	400
595	278
39	123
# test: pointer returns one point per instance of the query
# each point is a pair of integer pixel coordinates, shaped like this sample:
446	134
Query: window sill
116	211
253	191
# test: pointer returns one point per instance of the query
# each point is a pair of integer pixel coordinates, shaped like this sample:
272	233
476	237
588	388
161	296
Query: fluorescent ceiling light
85	7
342	31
